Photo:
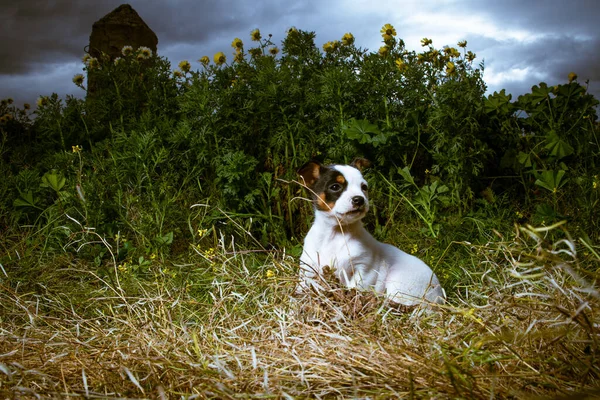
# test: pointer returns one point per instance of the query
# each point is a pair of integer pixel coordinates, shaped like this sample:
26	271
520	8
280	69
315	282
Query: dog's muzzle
358	202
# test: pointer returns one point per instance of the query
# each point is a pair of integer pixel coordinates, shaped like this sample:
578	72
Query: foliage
553	146
148	143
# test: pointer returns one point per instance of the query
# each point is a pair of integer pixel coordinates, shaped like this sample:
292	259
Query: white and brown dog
338	239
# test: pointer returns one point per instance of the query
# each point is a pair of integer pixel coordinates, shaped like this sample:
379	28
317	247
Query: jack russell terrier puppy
338	239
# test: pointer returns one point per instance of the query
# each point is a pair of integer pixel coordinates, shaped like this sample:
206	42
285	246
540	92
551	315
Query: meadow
151	232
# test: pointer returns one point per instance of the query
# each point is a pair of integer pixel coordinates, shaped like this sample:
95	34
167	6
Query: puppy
338	239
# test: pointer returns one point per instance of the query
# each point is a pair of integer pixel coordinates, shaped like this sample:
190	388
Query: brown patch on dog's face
322	204
361	163
310	172
326	184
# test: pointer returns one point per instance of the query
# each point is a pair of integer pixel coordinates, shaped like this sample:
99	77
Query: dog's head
338	191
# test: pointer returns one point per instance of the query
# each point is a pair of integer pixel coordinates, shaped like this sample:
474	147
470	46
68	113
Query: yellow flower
86	58
177	74
78	79
470	56
93	63
270	274
388	31
450	68
123	267
383	50
414	249
126	50
204	60
462	43
220	58
42	101
185	66
202	232
76	149
452	52
347	39
329	47
426	42
572	76
167	271
237	44
153	256
402	66
144	52
210	253
255	35
274	50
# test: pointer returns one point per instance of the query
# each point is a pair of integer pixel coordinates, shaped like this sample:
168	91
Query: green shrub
147	143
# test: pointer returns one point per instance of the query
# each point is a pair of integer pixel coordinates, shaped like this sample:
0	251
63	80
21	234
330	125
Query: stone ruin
121	27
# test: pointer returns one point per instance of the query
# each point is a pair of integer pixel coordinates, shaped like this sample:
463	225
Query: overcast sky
522	42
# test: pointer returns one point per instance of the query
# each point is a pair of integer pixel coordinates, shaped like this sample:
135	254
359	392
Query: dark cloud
36	32
549	59
42	42
564	37
47	38
579	16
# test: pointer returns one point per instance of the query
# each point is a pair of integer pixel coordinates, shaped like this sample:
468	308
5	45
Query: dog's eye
336	187
364	187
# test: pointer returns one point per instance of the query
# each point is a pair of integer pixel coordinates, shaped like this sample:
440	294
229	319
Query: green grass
522	322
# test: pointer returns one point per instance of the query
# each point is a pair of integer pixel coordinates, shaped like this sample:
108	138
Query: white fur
338	239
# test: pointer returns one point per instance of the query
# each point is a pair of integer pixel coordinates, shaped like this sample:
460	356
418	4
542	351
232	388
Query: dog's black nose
358	201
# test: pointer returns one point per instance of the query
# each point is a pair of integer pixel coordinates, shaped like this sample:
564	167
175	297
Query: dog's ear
310	172
361	163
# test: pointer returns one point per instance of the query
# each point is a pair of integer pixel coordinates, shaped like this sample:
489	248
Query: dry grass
525	324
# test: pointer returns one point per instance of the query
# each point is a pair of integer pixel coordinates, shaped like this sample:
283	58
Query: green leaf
540	93
166	239
572	89
26	200
405	172
53	180
497	103
363	131
525	159
557	147
551	180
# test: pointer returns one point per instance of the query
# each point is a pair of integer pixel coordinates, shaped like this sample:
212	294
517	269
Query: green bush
148	143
